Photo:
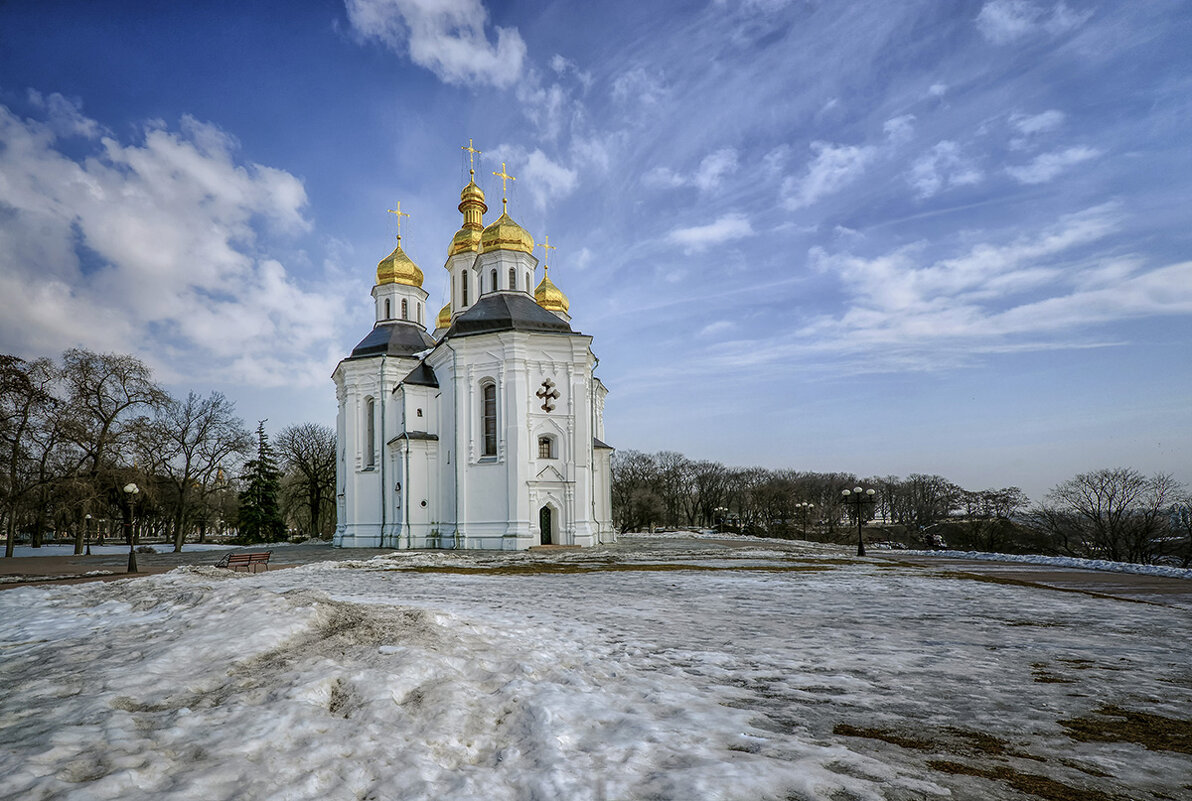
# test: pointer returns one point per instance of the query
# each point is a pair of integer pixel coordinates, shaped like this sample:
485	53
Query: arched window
463	282
527	282
512	278
546	448
405	309
420	314
388	310
494	281
370	433
490	419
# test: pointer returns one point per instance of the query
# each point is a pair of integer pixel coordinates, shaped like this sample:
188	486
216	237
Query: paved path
1128	586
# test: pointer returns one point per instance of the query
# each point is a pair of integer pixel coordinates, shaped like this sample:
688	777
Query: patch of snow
364	680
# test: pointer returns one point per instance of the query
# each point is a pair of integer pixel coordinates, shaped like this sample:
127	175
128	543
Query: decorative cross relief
548	393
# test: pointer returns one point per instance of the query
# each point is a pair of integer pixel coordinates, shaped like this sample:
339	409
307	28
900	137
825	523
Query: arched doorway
545	524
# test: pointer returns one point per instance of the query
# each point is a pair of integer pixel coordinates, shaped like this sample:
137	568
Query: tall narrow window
405	309
512	278
419	314
490	419
527	282
494	281
463	283
370	432
388	309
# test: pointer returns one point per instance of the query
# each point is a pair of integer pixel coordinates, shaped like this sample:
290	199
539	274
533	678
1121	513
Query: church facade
485	432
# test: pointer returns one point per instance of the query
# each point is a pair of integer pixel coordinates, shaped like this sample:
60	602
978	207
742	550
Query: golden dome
444	320
504	234
550	297
398	268
464	240
472	193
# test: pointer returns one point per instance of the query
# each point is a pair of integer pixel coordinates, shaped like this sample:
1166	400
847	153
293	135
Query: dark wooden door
544	524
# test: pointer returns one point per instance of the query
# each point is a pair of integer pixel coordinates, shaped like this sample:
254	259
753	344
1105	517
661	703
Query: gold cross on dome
547	247
504	176
399	213
472	154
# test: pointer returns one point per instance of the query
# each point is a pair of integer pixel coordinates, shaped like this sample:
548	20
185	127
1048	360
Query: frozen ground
656	669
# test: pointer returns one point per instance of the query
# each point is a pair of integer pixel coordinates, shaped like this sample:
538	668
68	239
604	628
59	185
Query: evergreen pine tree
260	512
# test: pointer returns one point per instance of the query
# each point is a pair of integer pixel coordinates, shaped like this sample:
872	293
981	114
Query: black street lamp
87	532
856	498
130	492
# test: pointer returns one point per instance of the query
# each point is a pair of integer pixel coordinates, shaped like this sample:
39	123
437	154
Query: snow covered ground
1060	561
655	669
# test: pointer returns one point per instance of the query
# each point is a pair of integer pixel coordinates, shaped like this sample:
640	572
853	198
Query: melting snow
654	669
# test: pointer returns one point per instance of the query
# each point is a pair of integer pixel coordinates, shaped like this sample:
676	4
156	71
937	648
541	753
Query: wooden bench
247	560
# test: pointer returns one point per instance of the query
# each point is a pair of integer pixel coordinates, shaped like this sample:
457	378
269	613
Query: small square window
546	448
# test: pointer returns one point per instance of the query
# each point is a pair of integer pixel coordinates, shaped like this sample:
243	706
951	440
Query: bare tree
187	444
1117	514
27	412
307	454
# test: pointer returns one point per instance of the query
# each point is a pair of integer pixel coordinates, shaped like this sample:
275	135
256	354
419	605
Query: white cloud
942	167
546	179
900	129
150	247
937	89
833	167
1048	165
716	328
707	177
994	292
637	86
1028	124
1006	21
446	37
701	237
65	115
714	167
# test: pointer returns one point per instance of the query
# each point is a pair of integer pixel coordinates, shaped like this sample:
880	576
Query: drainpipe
383	455
455	425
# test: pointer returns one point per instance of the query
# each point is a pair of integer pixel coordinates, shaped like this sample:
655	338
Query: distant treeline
1116	514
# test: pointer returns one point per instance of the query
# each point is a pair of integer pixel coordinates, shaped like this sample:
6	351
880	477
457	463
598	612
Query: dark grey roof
507	311
398	338
418	435
601	446
422	375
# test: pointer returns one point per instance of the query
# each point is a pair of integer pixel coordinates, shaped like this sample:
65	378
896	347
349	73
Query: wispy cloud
701	237
1027	124
942	167
706	177
446	37
1007	21
1047	166
832	168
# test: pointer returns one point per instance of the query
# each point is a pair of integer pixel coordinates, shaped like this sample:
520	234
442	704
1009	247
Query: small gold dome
504	234
550	297
464	240
398	268
473	193
444	320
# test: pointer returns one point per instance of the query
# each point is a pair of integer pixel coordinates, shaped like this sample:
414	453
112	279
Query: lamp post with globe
130	493
804	511
856	498
87	532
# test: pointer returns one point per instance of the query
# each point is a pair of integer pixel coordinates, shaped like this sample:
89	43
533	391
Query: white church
485	433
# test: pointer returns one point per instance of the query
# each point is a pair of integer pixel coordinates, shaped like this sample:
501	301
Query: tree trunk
80	533
10	534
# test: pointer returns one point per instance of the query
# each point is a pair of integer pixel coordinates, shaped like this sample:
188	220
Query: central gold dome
504	234
398	268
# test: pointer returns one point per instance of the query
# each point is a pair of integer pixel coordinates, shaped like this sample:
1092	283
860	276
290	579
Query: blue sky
942	237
